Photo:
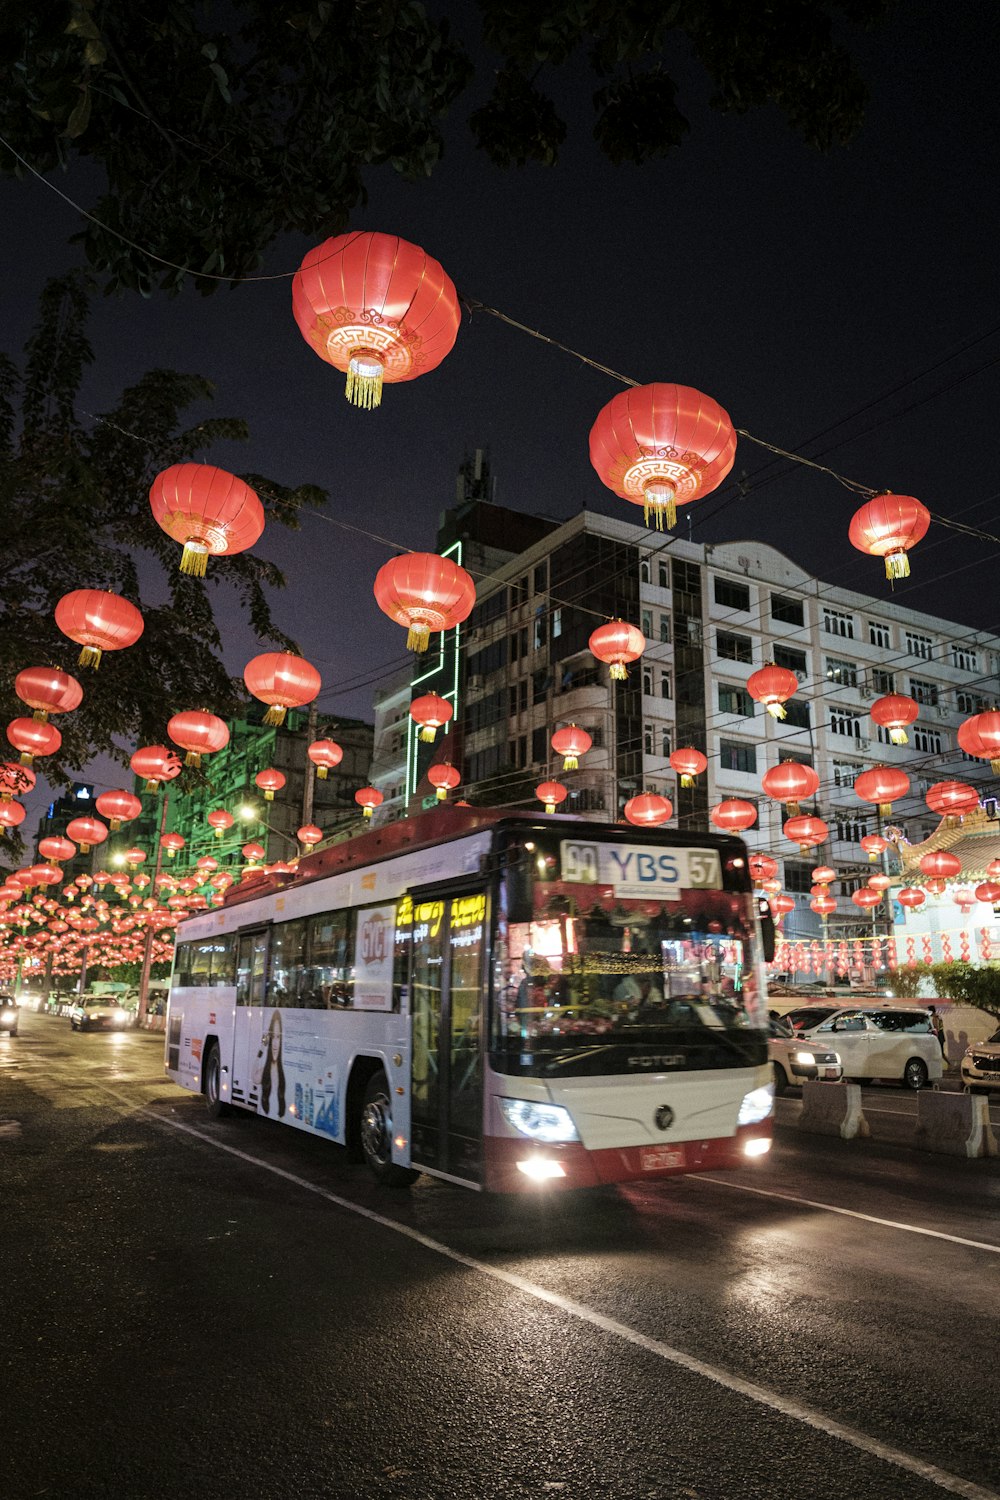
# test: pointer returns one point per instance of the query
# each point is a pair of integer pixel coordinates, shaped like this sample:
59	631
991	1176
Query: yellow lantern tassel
550	807
442	793
269	796
151	786
193	758
366	812
90	656
428	732
364	381
794	808
418	636
219	832
885	809
115	824
776	710
40	716
619	672
570	763
26	757
898	736
321	772
897	565
194	559
275	714
872	857
687	780
995	764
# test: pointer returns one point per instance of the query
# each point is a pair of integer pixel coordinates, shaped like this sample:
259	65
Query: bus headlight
539	1122
756	1106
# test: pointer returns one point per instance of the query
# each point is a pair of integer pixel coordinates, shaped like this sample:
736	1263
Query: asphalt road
229	1309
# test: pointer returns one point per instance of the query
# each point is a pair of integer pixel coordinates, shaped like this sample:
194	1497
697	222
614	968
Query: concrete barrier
833	1109
955	1124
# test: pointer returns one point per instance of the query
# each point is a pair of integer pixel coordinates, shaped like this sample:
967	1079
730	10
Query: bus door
251	975
447	976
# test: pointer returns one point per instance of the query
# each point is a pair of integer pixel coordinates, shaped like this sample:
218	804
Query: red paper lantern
911	896
874	845
993	869
894	712
772	686
48	690
253	852
156	764
781	905
443	778
733	815
282	680
823	874
550	793
15	780
33	739
762	867
309	836
118	807
807	832
198	733
173	843
980	738
940	864
615	644
46	874
688	763
424	592
866	898
325	756
220	820
964	899
98	621
882	785
648	810
880	882
86	832
368	798
56	849
135	857
206	864
952	800
823	905
269	781
208	510
571	743
430	712
888	526
660	446
376	307
988	892
791	783
12	814
771	886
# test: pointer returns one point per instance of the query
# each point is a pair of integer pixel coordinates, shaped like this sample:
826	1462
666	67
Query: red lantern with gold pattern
781	905
48	690
894	712
550	794
571	743
253	852
791	783
732	815
882	785
173	843
874	845
762	867
772	686
807	832
952	800
198	733
980	738
98	621
660	446
368	798
86	833
911	896
824	874
880	882
988	892
688	763
823	905
33	739
57	849
15	780
616	644
208	510
424	592
270	781
156	764
648	810
866	898
940	864
444	779
378	308
325	755
220	820
118	807
309	836
888	526
282	680
430	712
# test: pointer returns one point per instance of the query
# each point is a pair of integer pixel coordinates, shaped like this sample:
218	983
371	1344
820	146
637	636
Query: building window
844	772
736	757
540	632
878	634
666	742
965	660
971	703
797	714
791	660
556	623
883	682
731	595
664	629
647	681
836	622
845	721
919	645
666	685
542	577
644	570
733	647
663	574
924	692
927	740
539	686
789	611
735	700
647	624
522	695
512	700
539	745
647	739
844	672
851	830
798	877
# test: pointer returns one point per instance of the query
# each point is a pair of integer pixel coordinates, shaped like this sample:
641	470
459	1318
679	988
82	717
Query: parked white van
895	1042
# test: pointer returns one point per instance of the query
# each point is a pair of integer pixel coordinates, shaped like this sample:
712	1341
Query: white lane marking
850	1213
730	1382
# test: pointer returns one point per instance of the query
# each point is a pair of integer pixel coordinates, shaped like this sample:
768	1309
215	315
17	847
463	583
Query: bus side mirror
767	933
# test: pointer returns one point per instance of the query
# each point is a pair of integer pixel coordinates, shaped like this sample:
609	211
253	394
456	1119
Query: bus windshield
592	979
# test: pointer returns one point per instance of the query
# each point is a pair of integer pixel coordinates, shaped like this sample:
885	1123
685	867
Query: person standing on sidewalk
937	1023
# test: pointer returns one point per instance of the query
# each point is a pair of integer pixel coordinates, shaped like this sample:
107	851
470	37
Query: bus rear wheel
376	1134
211	1083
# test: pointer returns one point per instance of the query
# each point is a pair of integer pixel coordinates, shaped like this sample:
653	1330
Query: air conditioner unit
867	692
475	680
943	712
863	743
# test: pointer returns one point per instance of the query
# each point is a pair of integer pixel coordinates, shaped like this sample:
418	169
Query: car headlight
121	1015
807	1059
540	1122
756	1106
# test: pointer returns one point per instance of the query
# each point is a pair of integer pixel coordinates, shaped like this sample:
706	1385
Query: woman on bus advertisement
269	1068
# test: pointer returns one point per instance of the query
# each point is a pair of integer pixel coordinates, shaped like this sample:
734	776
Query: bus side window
244	963
182	965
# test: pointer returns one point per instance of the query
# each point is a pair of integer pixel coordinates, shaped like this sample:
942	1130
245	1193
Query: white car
793	1061
100	1013
980	1066
876	1039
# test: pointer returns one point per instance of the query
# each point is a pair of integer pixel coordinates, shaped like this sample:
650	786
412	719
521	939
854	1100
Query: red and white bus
498	999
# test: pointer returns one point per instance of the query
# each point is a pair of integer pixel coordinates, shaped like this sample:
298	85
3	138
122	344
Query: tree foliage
218	129
966	984
74	513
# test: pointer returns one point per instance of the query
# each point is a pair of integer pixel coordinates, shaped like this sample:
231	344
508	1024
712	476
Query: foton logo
373	939
663	1060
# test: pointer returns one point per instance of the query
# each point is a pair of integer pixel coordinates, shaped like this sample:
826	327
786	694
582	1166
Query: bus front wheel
376	1134
212	1083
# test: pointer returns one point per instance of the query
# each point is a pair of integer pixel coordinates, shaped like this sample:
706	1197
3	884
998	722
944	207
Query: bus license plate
660	1158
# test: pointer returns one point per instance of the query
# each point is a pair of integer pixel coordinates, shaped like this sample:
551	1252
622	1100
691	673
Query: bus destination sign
635	871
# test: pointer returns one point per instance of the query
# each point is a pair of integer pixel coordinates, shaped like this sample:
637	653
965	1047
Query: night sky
844	305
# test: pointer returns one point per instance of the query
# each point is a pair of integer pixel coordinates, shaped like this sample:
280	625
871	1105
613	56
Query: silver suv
981	1066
